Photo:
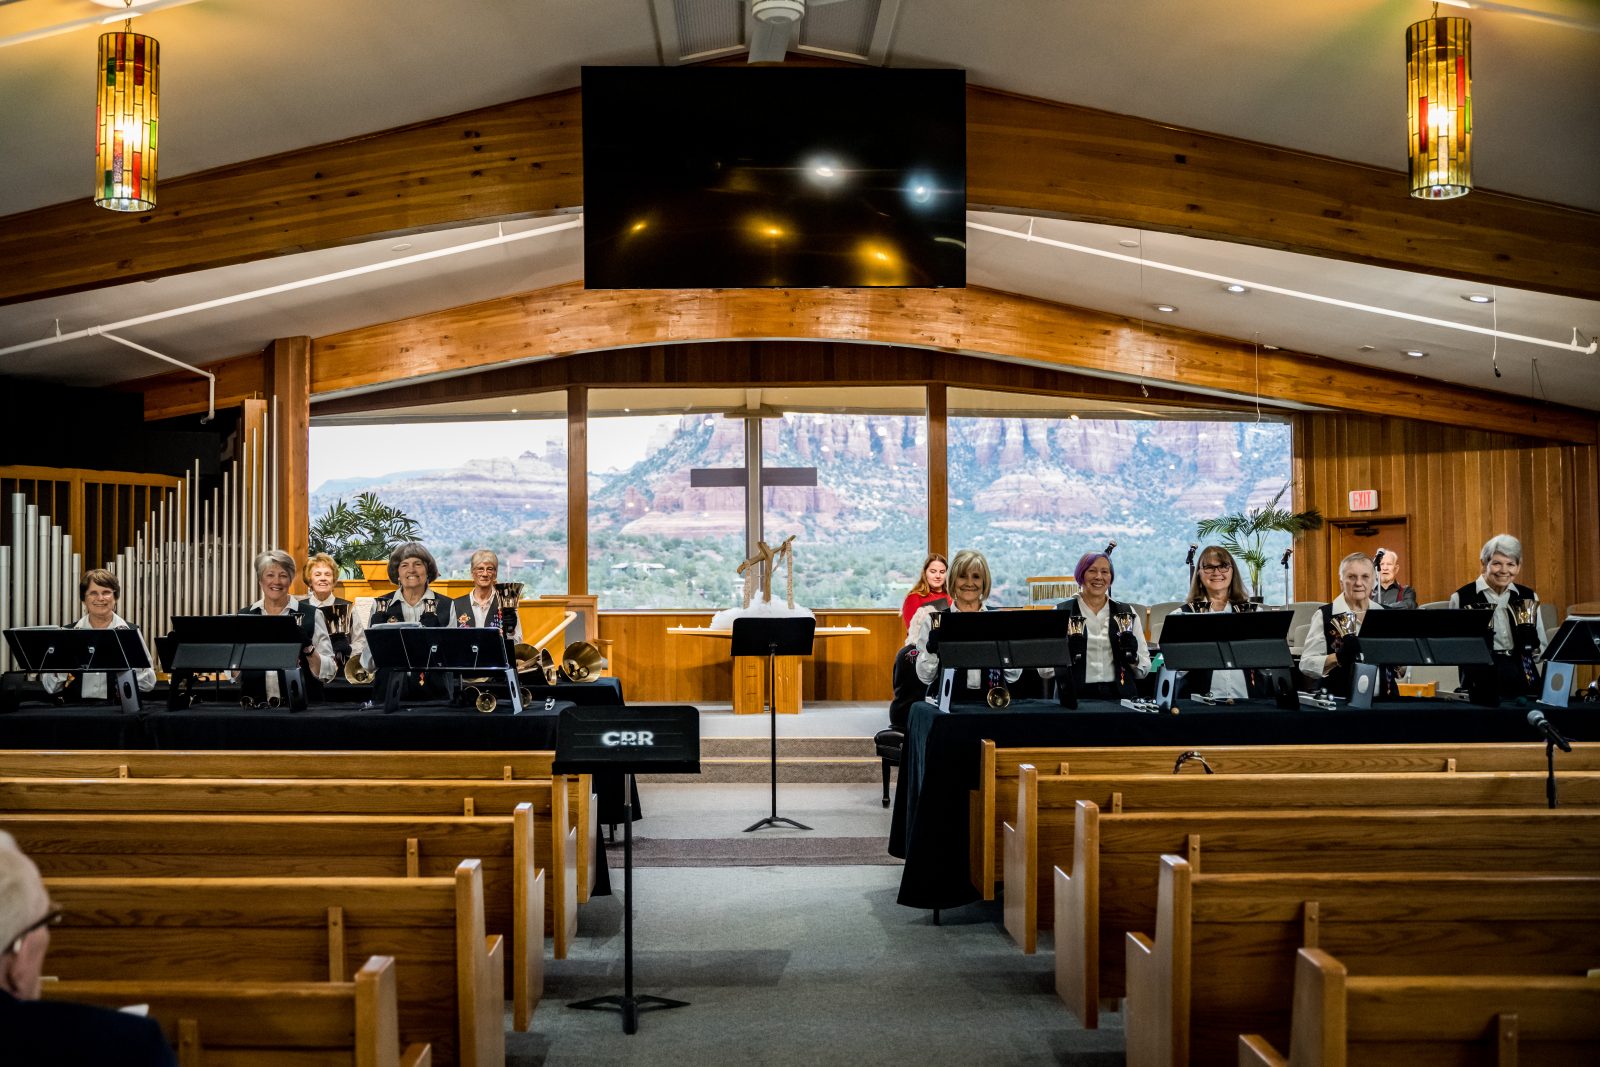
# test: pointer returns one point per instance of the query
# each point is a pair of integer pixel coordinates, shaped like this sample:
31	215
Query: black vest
1338	680
1078	649
1524	638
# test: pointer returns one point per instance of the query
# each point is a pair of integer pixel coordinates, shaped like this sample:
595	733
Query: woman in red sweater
929	588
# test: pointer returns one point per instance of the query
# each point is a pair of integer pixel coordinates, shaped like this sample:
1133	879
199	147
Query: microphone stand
1189	562
1285	561
1550	773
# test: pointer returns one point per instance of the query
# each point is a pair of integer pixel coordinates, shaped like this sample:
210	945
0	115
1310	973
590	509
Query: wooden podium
750	672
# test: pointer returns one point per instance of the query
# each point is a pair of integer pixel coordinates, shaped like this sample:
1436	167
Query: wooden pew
991	804
1404	1021
553	852
449	974
1221	960
1111	887
1041	837
268	1024
315	846
201	763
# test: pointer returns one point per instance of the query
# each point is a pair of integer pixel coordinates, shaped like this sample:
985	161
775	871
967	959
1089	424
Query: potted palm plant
1244	533
364	531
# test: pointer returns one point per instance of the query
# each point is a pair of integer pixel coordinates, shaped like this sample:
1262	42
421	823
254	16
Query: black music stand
986	640
403	648
1444	637
218	643
70	650
1578	641
1227	641
605	740
773	637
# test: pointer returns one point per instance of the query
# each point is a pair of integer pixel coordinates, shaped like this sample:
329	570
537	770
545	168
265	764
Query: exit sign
1363	500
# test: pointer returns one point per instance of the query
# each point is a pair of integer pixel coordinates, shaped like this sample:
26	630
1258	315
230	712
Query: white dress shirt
928	662
95	685
1314	655
1502	615
320	641
1099	663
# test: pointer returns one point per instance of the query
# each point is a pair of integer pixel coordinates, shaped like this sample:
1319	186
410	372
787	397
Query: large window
862	530
655	541
499	484
1035	493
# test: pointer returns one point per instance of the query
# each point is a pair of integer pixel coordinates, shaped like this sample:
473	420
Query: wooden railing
102	511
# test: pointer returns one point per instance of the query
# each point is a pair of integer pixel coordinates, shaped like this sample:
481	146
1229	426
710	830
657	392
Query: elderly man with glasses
34	1032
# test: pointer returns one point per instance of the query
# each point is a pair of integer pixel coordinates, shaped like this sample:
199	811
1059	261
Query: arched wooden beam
523	159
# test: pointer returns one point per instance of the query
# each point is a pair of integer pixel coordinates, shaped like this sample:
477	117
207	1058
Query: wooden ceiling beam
523	159
567	320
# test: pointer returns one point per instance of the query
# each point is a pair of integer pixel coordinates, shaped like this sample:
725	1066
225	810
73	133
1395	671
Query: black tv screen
792	177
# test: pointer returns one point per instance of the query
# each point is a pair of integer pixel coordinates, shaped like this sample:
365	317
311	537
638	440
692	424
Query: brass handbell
509	595
545	664
581	662
356	674
337	617
1523	612
486	701
999	697
1345	623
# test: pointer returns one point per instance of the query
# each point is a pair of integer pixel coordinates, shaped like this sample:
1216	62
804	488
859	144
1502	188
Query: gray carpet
754	851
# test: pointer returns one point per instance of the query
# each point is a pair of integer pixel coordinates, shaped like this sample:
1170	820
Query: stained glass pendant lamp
1439	105
127	119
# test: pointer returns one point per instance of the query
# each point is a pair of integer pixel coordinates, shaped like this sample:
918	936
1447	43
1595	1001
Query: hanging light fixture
126	119
1439	106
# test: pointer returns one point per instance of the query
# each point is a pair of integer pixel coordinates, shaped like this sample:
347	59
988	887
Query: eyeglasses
51	918
1216	568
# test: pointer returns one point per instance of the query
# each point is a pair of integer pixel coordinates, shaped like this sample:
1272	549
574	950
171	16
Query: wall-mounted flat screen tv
791	177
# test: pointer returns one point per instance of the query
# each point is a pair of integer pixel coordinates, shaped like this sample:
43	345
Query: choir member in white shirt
1519	636
413	569
275	571
1333	642
1218	586
1107	651
970	581
99	590
481	606
321	573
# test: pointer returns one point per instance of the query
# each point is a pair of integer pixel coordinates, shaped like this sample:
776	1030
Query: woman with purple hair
1106	639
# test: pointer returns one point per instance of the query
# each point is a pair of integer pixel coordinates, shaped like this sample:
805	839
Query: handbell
1523	612
486	701
1345	624
546	666
356	674
581	662
337	617
999	697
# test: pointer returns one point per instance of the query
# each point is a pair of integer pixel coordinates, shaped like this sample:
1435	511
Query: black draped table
940	764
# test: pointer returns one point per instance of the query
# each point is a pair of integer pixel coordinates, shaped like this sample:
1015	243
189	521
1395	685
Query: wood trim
577	490
569	320
938	471
523	159
287	362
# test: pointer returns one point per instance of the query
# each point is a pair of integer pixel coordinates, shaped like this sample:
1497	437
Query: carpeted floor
789	955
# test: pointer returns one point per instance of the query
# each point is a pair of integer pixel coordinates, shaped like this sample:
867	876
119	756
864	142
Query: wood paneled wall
1456	488
657	666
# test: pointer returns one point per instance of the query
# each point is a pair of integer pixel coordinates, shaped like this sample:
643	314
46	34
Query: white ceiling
243	79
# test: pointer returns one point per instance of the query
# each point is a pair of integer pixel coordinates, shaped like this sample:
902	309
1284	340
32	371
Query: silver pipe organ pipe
30	576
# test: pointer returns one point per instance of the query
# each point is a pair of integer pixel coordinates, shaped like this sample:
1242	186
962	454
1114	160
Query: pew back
1110	886
993	801
315	846
1423	1019
449	974
554	852
1221	960
1042	834
268	1024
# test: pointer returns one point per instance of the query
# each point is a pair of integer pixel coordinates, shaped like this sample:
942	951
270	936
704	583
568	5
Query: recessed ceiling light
1168	308
1366	348
401	247
1126	243
1415	353
1235	287
1478	298
1073	416
1269	348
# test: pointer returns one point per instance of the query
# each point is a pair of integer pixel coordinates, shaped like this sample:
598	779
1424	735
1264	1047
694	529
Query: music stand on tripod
773	637
215	644
69	650
404	648
601	740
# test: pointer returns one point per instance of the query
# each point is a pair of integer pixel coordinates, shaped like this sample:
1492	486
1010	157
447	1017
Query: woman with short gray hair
275	573
1518	636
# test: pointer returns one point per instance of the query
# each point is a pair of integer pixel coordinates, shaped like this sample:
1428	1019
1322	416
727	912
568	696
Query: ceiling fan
775	23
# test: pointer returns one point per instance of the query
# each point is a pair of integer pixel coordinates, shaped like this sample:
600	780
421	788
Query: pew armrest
1140	1020
1077	951
420	1055
1256	1051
